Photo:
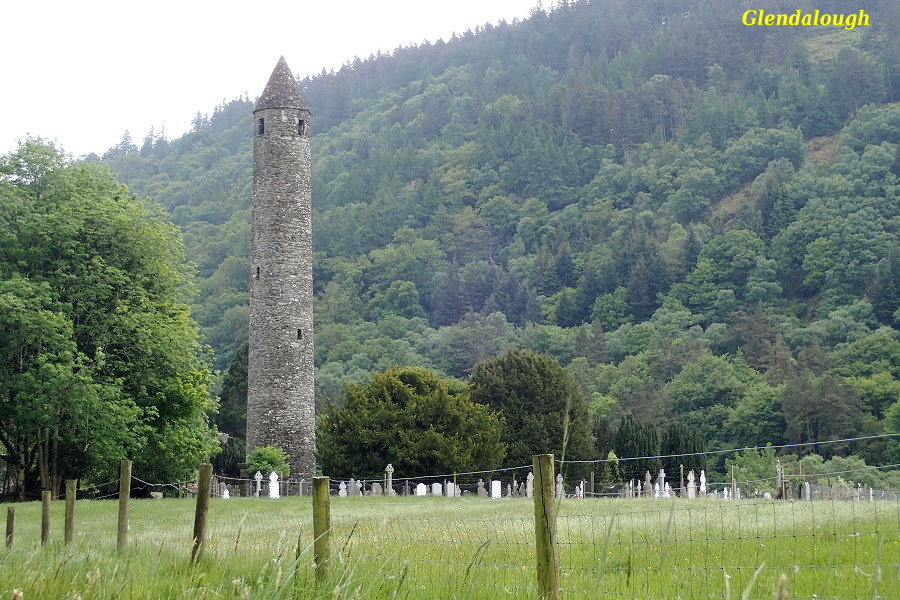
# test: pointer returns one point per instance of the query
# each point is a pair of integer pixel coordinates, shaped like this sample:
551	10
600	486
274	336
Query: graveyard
462	546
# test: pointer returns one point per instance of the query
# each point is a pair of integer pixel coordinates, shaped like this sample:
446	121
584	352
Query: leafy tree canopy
100	359
542	407
413	419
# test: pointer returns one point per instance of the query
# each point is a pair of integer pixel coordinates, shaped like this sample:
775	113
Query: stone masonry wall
281	403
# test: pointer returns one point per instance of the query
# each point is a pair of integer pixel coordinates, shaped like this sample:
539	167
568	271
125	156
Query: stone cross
481	490
389	470
648	486
258	477
560	488
342	490
274	487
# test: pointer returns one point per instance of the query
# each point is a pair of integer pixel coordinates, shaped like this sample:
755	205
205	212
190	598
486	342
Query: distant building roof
282	91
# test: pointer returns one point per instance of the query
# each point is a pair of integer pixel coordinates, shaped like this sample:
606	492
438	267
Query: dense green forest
698	219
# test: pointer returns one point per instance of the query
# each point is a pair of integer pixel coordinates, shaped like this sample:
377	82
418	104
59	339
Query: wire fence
473	546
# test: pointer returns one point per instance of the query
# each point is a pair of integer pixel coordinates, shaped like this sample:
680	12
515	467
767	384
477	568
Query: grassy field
463	548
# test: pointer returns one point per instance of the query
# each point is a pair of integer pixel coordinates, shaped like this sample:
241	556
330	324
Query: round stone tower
280	399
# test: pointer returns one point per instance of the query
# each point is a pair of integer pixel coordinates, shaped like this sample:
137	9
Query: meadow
465	547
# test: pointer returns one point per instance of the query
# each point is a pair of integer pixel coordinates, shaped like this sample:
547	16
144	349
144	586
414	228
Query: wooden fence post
70	510
545	527
10	525
321	525
124	497
46	496
204	488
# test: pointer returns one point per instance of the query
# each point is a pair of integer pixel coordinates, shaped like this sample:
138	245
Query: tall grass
463	548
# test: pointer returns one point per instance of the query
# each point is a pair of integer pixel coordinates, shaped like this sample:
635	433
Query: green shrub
267	459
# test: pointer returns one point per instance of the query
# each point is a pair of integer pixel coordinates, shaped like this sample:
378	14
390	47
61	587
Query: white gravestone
692	485
342	490
496	488
274	486
703	483
421	489
560	488
436	489
226	494
529	485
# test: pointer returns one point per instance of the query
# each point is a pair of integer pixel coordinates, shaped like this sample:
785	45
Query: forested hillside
699	219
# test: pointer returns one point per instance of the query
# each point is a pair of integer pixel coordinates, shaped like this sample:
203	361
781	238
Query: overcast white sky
82	73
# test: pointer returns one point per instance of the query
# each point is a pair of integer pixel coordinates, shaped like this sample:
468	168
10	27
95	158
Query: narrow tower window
257	272
299	334
261	126
301	127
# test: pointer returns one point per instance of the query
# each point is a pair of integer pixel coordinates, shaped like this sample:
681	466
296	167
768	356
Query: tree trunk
20	471
42	458
55	476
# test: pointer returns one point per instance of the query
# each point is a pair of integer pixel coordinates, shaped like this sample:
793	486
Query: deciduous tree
113	355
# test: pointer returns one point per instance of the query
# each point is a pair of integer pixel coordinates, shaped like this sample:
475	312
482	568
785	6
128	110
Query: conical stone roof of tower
282	91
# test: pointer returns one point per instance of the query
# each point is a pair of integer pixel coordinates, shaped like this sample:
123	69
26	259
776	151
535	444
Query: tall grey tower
280	399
